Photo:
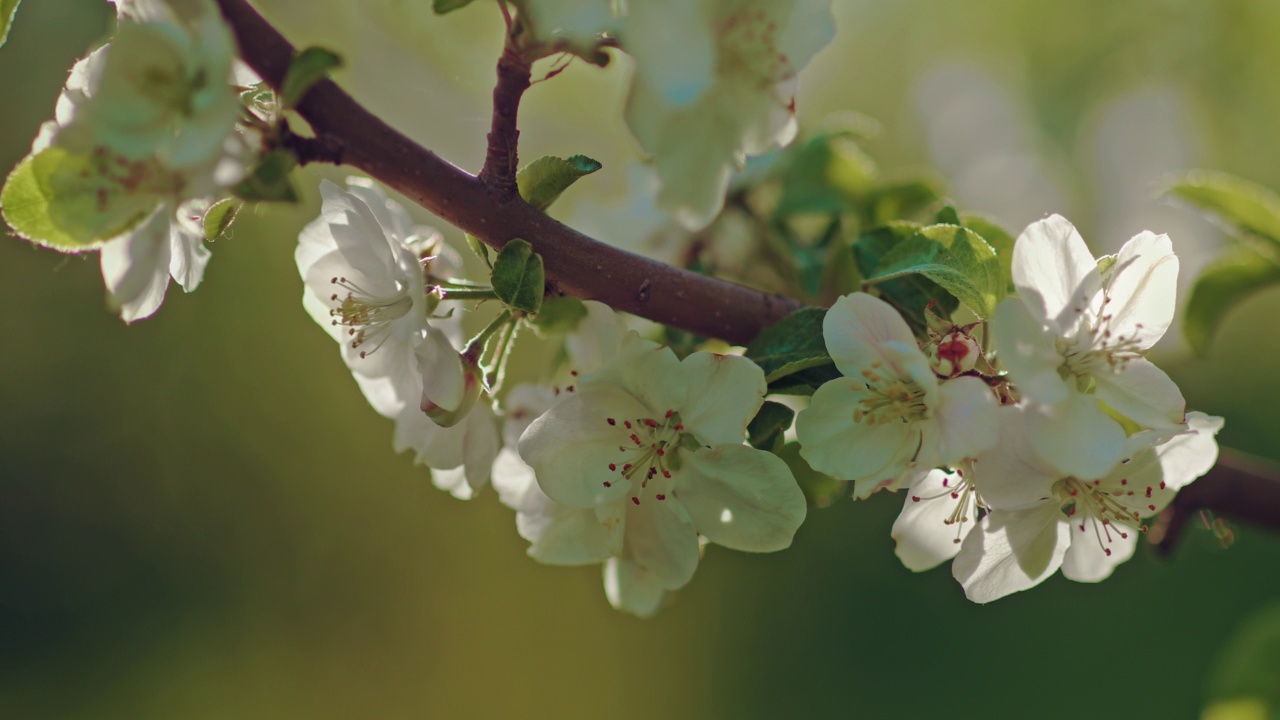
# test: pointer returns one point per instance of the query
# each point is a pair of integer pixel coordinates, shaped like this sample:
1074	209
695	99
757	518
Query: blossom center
367	315
648	454
1091	507
888	398
1097	348
966	499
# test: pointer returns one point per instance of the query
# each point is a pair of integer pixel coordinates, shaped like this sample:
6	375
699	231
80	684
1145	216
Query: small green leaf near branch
308	68
543	180
8	8
518	276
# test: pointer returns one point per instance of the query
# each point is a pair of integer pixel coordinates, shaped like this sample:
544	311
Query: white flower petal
188	256
1011	475
440	366
1097	549
135	268
1013	551
661	540
1142	289
1187	456
597	338
965	419
1076	436
721	395
631	589
923	535
741	498
1143	393
1054	271
832	443
480	444
856	327
1026	349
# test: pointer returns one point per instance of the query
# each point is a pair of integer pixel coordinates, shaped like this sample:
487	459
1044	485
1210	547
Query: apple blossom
888	414
1074	343
1042	520
653	447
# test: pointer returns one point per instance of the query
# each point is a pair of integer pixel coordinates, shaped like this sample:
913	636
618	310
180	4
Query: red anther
626	468
661	452
679	427
1108	551
660	496
612	467
670	413
915	498
635	499
1124	481
1161	484
1097	482
1148	491
608	484
955	496
1071	512
1074	492
666	474
651	422
946	482
569	389
573	373
635	438
1081	527
1152	508
1124	536
627	423
611	421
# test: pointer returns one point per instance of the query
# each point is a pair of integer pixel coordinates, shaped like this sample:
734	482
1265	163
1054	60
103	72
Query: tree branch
501	158
1239	487
575	264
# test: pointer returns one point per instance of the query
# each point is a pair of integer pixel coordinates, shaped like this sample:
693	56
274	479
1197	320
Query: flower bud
954	353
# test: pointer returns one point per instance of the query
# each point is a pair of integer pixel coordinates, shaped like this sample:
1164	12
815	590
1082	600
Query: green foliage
766	428
447	6
1248	206
559	315
827	174
1249	666
219	217
820	489
74	202
8	8
269	179
480	249
910	294
518	277
955	258
999	240
793	354
543	180
1223	285
308	68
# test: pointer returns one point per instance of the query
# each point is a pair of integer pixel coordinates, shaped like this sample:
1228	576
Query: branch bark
1239	487
575	264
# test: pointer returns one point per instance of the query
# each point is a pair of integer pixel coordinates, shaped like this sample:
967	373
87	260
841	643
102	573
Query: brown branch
501	158
576	264
1240	487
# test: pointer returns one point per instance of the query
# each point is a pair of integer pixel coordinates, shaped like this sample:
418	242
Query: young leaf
219	216
559	315
1221	286
828	174
910	294
766	428
518	277
8	8
308	68
947	216
269	180
74	202
998	239
541	181
447	6
958	260
796	338
480	249
1239	202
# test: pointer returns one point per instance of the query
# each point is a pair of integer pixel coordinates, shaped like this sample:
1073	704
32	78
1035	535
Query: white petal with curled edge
1143	393
571	446
431	444
632	589
741	498
1187	456
1027	351
1054	270
1011	476
596	339
453	481
440	366
390	215
480	444
924	538
855	328
722	394
1097	549
1011	552
188	256
1076	436
1142	289
558	534
135	268
662	540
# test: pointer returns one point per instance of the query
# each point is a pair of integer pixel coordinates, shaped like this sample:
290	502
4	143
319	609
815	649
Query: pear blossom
889	414
652	447
715	81
1074	343
1042	520
940	510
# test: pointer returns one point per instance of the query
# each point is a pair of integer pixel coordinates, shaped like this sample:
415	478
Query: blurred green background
200	517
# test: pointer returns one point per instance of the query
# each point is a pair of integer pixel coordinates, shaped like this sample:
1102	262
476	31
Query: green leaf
947	216
269	179
8	8
74	202
447	6
559	315
910	294
308	68
958	260
900	200
1223	285
766	428
840	275
518	277
541	181
480	249
1237	201
828	174
796	338
999	240
819	489
1249	665
219	217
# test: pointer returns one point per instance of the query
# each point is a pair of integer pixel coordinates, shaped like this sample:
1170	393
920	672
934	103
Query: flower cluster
1048	453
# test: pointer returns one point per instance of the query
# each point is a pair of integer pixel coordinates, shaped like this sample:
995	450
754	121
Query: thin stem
475	346
498	370
470	294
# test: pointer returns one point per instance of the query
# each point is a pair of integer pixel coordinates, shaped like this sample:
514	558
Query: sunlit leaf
219	217
518	276
543	180
8	8
308	68
951	256
1221	286
1237	201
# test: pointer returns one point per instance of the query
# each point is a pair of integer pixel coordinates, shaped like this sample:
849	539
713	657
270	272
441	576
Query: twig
576	264
502	157
1240	487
